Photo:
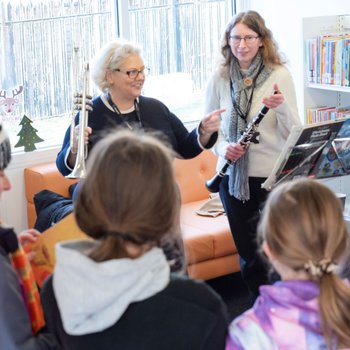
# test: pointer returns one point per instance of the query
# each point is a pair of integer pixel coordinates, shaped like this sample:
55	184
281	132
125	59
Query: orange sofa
209	247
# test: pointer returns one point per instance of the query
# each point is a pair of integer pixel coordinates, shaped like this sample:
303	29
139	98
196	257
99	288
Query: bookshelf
316	93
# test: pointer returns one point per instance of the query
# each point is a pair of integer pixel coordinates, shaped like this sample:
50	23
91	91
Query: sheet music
306	150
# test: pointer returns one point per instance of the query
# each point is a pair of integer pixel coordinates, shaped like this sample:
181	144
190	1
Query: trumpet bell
79	171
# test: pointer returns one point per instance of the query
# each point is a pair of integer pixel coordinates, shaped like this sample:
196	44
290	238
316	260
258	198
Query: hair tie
321	267
127	237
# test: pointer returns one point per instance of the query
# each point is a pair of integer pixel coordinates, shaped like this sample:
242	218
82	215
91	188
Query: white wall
284	18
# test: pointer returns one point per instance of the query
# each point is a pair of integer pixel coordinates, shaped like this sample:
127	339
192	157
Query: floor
234	293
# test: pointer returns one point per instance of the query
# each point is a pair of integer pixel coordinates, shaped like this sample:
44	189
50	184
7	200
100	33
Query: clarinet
213	184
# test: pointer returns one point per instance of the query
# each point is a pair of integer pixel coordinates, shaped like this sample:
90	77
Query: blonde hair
129	194
253	20
303	222
110	56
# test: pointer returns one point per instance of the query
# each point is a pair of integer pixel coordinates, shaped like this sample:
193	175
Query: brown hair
303	221
129	194
269	48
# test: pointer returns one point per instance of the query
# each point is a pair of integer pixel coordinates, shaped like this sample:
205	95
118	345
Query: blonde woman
119	72
304	236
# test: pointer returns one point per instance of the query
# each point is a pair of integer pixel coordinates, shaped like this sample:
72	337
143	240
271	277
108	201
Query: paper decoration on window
27	135
7	102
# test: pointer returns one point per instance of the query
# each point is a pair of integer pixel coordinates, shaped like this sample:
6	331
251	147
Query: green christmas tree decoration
27	135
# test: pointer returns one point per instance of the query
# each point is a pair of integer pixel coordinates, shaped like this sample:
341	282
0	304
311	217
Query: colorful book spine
328	60
324	114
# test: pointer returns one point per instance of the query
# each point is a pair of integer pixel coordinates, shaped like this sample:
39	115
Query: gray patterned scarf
241	93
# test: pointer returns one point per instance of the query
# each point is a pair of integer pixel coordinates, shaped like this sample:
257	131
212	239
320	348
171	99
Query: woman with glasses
119	72
250	71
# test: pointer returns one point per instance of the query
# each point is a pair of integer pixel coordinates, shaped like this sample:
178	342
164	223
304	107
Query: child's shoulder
195	292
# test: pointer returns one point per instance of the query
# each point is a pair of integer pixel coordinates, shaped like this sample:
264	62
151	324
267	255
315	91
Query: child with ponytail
303	233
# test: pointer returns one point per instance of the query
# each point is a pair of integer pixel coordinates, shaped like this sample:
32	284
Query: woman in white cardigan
250	71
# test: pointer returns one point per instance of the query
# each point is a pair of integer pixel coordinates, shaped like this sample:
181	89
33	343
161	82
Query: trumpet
75	89
79	170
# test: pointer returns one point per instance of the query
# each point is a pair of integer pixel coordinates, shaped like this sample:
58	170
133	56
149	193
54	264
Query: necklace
249	82
238	109
119	114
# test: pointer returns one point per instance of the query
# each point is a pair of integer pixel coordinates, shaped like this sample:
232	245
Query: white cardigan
274	128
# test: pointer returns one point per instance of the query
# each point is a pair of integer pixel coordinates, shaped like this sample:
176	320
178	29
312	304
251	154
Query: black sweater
187	314
154	116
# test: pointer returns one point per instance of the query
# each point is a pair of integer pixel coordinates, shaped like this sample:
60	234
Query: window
38	40
180	41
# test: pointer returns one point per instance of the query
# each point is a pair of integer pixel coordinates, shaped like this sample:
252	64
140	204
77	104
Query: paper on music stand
342	150
306	150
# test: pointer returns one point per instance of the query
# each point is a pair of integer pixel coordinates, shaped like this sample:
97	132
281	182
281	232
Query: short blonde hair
303	221
110	57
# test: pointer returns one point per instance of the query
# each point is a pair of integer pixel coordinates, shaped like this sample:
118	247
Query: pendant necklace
238	109
248	82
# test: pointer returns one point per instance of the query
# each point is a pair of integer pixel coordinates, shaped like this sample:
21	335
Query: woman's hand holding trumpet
78	100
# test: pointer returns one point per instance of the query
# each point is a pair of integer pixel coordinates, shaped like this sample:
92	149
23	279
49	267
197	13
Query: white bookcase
316	95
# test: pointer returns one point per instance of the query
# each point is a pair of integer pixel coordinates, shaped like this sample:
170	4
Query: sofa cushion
200	231
191	174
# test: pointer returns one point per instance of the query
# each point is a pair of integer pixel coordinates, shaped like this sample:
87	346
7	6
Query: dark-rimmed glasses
134	73
248	39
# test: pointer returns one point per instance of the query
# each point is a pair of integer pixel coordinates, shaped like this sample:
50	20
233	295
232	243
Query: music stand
316	151
306	164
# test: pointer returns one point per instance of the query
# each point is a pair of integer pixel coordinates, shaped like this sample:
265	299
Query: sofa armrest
40	177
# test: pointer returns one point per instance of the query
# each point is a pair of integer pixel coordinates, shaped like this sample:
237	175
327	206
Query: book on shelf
311	60
345	66
319	150
322	114
327	59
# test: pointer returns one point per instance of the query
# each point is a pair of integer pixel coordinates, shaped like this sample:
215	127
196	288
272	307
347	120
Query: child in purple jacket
304	235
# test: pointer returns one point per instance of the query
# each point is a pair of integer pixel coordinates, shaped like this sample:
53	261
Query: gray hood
92	296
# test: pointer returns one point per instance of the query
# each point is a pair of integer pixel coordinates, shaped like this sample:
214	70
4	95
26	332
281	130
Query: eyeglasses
248	39
134	73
